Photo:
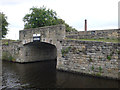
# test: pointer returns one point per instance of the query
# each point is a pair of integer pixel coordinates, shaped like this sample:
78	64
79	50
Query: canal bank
99	59
95	58
89	75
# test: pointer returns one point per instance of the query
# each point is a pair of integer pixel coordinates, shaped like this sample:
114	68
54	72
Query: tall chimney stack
85	25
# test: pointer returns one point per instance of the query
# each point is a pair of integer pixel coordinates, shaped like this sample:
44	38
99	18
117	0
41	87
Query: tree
40	17
69	28
3	25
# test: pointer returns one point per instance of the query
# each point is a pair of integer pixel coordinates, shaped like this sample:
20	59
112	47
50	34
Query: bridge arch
48	46
39	51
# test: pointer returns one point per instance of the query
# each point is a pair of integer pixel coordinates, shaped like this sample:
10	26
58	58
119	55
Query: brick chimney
85	25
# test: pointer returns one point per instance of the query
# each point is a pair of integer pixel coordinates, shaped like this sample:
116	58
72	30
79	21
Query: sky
100	14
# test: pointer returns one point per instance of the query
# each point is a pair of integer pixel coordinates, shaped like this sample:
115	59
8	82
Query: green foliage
98	74
108	57
3	25
40	17
69	28
100	40
100	68
92	67
62	51
90	59
65	51
6	43
7	56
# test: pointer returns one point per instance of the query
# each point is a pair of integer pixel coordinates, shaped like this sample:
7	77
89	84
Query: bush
100	68
7	56
98	74
65	51
92	67
90	60
6	43
109	57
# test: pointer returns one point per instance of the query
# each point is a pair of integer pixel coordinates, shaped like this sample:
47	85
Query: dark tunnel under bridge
39	51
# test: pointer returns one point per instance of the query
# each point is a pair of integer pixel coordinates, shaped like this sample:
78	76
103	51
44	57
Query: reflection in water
44	75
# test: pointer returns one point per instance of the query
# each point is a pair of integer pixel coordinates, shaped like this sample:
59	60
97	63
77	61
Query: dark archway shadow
39	51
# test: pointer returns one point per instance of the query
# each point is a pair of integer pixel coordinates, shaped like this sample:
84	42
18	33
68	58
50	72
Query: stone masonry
94	34
88	57
25	49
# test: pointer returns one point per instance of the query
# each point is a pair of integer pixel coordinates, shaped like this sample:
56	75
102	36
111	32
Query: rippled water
45	75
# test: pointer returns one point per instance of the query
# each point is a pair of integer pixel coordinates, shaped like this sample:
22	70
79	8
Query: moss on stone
90	60
7	56
65	51
98	74
92	67
100	69
108	57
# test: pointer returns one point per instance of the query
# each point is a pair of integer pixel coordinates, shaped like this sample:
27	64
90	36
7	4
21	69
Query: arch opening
39	51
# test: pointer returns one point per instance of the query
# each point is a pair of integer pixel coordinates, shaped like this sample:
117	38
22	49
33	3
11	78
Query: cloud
12	2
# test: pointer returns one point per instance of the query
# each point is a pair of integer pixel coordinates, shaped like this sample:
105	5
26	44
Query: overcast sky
100	14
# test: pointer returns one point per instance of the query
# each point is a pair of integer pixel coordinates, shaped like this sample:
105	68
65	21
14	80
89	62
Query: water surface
45	75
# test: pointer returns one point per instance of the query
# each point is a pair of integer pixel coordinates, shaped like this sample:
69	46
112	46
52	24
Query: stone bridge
45	47
52	43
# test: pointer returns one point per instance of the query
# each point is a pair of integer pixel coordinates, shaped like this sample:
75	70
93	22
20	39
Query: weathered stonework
25	50
11	51
49	34
89	57
94	34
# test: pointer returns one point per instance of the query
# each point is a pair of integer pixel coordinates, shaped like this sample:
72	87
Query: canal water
45	75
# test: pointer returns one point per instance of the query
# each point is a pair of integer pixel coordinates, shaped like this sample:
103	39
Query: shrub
7	56
109	57
98	74
6	43
65	51
92	67
100	68
90	59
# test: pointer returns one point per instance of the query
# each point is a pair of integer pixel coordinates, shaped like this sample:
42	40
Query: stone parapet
94	34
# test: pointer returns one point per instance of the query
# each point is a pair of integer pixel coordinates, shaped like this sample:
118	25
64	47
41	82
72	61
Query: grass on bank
100	40
6	41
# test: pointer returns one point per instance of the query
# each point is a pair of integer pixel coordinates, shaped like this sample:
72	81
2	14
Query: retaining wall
89	57
95	34
11	51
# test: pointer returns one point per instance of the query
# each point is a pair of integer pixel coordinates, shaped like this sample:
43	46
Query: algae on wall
7	56
10	50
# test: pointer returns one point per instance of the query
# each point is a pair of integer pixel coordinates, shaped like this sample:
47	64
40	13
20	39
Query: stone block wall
11	51
49	34
96	34
23	51
32	52
89	57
